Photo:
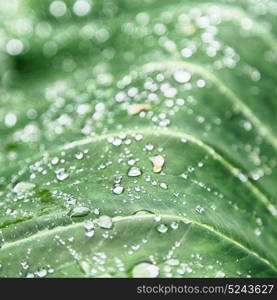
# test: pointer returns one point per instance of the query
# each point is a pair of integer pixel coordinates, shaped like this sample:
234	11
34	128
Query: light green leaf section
79	196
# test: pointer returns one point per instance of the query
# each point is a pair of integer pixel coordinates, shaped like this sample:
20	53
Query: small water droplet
173	262
174	225
162	228
61	174
54	160
257	232
163	186
79	155
220	274
199	209
118	189
149	147
10	120
143	212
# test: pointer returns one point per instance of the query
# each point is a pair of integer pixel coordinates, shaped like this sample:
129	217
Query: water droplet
162	228
96	211
247	126
89	225
14	47
134	172
81	8
22	187
117	142
182	76
173	262
79	155
145	270
79	211
57	8
41	273
89	233
54	160
184	176
24	265
163	186
149	147
61	174
220	274
138	137
257	232
105	222
118	189
10	120
199	209
131	162
174	225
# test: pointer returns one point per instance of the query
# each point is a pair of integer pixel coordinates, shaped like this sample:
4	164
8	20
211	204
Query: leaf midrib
116	219
177	134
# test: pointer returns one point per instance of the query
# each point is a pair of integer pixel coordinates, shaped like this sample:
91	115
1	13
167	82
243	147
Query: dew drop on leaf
105	222
199	209
163	185
55	160
162	228
22	187
118	189
134	172
174	225
79	155
79	211
61	174
145	270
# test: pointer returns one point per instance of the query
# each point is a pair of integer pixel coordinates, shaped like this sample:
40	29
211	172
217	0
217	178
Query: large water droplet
145	270
105	222
79	211
22	187
134	172
182	76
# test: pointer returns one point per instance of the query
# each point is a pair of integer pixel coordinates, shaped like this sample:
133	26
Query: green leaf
138	140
